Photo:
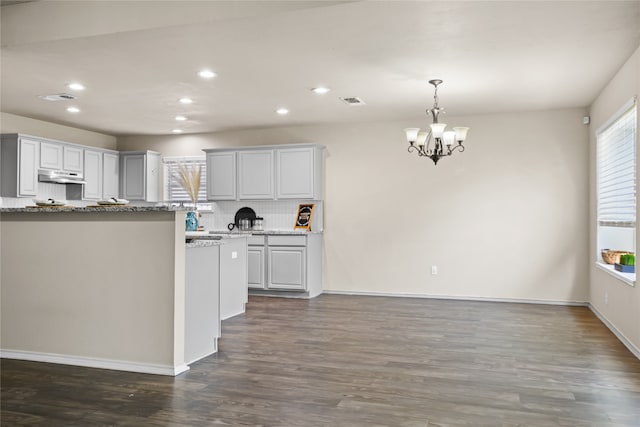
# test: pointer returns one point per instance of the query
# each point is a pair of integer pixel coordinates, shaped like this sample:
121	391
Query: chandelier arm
419	151
458	147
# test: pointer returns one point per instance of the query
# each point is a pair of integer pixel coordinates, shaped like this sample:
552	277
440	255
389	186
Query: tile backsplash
278	214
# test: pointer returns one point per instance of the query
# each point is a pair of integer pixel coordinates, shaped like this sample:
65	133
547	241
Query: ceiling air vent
352	101
58	97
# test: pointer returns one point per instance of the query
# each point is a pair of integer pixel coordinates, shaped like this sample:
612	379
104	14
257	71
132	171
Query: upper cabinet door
110	175
221	176
72	159
92	190
152	190
50	155
295	173
133	183
28	167
255	175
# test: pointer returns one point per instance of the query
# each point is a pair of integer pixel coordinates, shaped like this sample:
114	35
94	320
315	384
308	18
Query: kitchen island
101	287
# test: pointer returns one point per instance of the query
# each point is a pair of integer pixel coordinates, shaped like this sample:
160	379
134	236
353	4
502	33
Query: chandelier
436	142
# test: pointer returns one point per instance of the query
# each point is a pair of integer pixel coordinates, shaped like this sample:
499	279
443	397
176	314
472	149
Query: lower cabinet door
287	268
255	267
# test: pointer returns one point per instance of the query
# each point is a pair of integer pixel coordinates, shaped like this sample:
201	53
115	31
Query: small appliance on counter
258	224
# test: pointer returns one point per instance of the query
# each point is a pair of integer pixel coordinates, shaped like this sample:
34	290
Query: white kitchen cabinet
201	302
110	175
255	267
272	172
233	277
299	173
221	175
255	175
92	190
58	156
19	162
51	155
287	267
72	158
285	264
28	180
140	175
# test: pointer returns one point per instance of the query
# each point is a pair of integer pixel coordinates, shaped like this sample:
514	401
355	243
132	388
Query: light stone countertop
259	232
201	243
114	208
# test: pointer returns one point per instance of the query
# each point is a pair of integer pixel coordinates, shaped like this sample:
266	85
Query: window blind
173	189
616	170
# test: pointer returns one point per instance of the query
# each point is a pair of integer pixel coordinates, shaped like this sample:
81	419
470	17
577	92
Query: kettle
258	223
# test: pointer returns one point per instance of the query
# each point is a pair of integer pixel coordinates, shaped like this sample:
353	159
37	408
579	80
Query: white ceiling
136	58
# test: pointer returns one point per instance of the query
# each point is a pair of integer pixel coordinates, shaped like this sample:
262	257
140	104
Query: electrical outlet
606	298
434	270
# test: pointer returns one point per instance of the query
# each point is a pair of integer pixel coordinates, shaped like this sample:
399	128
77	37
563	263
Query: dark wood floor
359	361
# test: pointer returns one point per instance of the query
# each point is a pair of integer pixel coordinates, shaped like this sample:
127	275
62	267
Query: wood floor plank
351	361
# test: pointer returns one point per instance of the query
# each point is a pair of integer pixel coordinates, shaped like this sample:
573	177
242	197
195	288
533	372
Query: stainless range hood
60	177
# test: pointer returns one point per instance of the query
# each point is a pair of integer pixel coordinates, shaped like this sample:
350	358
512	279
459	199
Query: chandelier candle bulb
437	129
422	138
461	133
449	137
412	134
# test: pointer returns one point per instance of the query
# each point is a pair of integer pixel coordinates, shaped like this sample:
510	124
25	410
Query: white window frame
626	218
169	179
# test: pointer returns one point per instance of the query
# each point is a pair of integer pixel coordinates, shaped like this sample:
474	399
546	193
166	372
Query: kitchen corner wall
616	301
506	219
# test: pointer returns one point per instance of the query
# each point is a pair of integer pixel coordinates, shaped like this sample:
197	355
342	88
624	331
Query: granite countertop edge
201	243
238	234
121	208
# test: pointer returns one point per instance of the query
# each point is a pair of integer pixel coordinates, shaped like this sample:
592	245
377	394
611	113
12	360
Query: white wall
622	308
10	123
505	219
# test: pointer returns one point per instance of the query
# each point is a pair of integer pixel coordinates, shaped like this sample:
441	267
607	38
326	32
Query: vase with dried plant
189	178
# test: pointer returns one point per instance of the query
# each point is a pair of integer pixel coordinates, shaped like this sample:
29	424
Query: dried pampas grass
189	179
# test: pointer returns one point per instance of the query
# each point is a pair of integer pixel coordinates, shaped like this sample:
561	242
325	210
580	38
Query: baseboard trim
93	362
459	298
632	348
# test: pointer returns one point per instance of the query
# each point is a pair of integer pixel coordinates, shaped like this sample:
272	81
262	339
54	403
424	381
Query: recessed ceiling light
282	111
75	86
320	89
73	109
177	131
206	74
185	100
181	118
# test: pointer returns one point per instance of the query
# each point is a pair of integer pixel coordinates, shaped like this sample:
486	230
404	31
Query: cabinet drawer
255	240
287	240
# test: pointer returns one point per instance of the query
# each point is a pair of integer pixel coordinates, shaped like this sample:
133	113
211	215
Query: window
616	181
173	191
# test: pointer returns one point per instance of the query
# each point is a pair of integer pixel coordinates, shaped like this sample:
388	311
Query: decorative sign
305	213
